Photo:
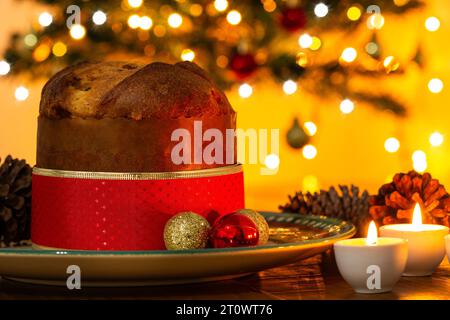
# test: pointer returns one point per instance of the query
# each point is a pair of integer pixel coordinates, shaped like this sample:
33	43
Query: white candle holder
426	246
371	268
447	246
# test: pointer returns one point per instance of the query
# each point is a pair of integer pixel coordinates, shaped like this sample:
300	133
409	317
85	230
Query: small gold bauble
186	230
260	222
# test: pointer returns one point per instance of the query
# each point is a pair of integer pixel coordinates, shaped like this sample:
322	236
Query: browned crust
123	90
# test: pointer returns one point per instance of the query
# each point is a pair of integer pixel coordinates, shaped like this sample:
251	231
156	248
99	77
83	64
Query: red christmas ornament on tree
243	65
293	19
234	230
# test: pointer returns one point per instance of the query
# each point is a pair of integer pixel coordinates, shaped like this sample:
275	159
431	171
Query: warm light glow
245	90
371	48
196	10
353	13
349	54
175	20
45	19
21	93
234	17
269	5
390	64
187	55
436	139
41	52
419	159
435	85
135	3
302	59
311	128
305	40
145	23
272	161
309	152
432	24
59	49
4	68
375	21
77	31
392	145
289	87
321	10
372	235
417	216
310	183
99	17
159	31
134	21
316	43
221	5
30	40
347	106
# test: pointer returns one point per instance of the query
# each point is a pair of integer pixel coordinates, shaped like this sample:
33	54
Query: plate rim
349	232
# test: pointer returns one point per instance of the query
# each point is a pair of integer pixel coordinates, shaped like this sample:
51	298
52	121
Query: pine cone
15	201
347	205
395	201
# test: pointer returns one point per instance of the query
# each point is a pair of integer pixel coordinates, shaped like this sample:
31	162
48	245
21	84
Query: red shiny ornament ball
243	65
234	230
293	19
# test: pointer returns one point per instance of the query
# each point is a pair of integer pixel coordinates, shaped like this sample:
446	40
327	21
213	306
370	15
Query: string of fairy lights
245	90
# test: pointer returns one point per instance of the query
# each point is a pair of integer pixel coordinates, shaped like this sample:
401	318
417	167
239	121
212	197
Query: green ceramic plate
292	237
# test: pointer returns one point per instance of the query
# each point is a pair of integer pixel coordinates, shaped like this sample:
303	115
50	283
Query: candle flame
372	234
417	216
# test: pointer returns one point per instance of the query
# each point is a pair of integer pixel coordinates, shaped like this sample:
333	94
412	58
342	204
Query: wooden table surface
314	278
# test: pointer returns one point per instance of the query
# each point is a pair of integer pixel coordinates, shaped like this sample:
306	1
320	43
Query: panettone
106	178
119	117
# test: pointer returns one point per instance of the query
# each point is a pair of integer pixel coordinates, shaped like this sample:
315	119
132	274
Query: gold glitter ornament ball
260	222
186	230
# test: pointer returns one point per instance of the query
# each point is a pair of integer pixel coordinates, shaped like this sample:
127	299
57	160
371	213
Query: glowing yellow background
350	148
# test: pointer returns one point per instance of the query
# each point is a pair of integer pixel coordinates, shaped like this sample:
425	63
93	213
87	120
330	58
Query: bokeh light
4	68
436	139
432	24
45	19
175	20
311	128
77	31
272	161
305	41
99	17
309	152
245	90
435	85
234	17
349	54
321	10
347	106
392	145
187	55
21	93
289	87
221	5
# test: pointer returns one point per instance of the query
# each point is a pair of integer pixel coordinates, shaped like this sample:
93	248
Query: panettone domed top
134	91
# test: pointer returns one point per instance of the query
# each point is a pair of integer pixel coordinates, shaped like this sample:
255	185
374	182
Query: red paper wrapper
125	211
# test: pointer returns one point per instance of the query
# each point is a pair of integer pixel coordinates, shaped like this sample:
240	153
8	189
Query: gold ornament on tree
296	136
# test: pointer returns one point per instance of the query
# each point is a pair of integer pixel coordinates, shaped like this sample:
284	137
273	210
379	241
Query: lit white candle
426	245
372	264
